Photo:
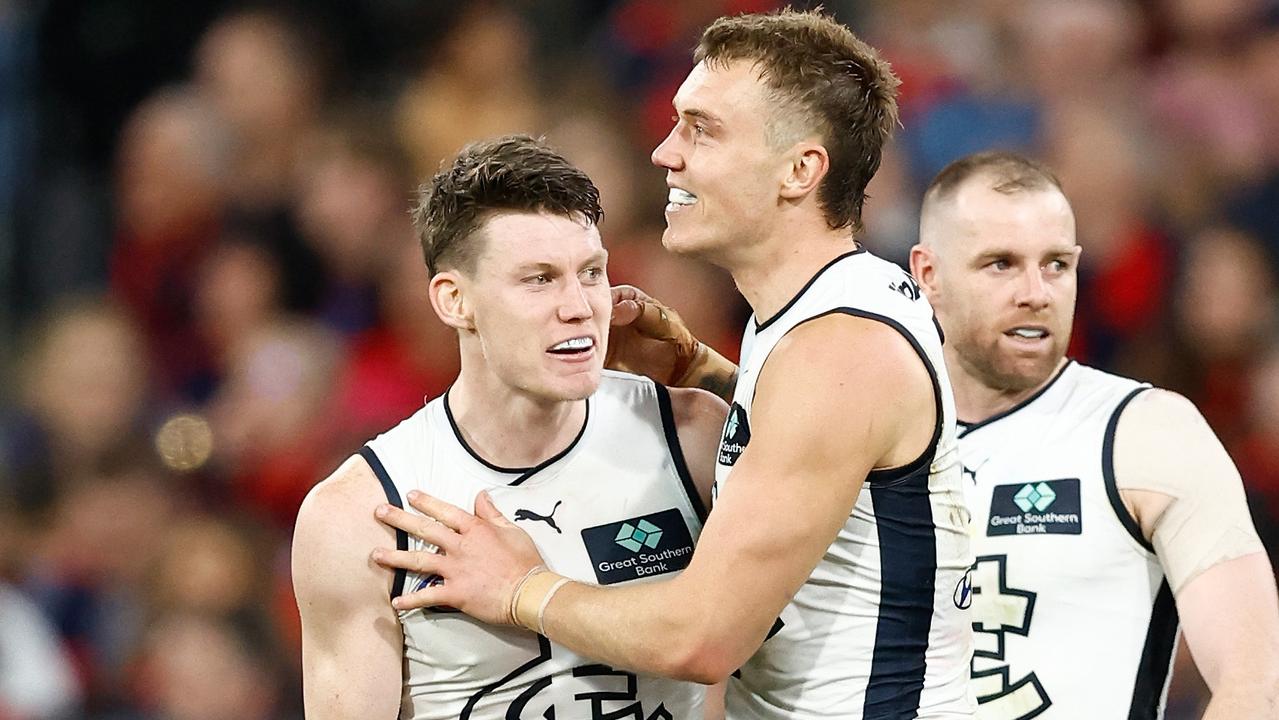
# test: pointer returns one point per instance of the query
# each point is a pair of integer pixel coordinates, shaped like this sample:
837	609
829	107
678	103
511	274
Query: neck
509	427
771	273
976	401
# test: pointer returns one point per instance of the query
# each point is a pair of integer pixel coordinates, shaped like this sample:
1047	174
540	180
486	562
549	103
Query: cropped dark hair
838	85
1008	173
511	173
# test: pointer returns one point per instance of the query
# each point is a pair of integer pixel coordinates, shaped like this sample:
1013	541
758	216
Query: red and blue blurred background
212	293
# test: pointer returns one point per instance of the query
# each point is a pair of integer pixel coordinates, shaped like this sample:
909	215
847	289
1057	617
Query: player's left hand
482	558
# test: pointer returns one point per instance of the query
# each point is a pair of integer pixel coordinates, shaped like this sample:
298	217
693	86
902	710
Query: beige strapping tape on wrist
528	606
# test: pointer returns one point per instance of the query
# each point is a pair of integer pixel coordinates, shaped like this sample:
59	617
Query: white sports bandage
1163	445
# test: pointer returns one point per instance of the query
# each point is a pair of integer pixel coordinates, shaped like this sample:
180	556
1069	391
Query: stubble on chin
1006	374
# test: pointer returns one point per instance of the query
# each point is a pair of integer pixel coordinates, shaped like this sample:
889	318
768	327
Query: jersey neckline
759	327
522	473
965	427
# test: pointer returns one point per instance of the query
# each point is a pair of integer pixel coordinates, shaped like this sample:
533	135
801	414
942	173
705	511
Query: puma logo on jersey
522	514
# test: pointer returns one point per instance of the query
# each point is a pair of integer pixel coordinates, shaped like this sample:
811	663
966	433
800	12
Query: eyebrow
1009	252
598	257
701	115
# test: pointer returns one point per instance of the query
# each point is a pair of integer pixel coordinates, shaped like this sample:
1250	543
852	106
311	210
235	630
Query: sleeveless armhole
891	476
393	497
1108	473
677	452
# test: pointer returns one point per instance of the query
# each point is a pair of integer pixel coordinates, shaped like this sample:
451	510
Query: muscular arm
699	420
790	492
351	639
1186	495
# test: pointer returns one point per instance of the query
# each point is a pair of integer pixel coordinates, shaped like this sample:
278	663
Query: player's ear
923	266
448	297
809	163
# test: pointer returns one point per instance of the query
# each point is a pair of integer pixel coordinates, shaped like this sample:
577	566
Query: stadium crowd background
213	293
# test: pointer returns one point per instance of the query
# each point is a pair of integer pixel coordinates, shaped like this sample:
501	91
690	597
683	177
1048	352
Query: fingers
625	312
628	292
485	509
432	532
433	596
654	321
452	516
421	562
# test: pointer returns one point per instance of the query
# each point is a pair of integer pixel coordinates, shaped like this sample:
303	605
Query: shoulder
845	349
694	405
1162	442
1163	414
336	531
336	497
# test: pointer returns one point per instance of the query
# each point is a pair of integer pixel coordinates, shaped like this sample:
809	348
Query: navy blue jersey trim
677	452
586	420
523	473
457	433
967	427
759	327
1108	473
887	476
1156	657
908	571
393	497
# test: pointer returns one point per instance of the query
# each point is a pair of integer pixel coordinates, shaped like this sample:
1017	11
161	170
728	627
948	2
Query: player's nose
1033	291
666	155
575	304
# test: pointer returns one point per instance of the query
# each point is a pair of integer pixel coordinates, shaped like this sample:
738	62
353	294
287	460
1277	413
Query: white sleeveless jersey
1071	613
879	629
617	506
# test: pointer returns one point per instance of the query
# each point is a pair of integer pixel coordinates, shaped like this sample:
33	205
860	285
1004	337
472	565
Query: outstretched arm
351	639
790	492
1187	497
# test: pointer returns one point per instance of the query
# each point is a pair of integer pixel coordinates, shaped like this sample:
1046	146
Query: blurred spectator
171	175
476	84
84	388
237	293
37	681
1128	263
409	356
273	420
353	195
1257	452
200	667
265	82
1225	312
90	564
264	73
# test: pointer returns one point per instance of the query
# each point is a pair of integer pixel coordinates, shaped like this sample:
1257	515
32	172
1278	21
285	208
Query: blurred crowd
213	293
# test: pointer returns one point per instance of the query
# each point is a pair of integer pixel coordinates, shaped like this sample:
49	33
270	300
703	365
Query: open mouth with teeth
1027	333
677	198
572	347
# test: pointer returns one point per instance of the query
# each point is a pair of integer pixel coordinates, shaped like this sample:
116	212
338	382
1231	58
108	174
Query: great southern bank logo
644	546
643	534
737	433
1039	507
